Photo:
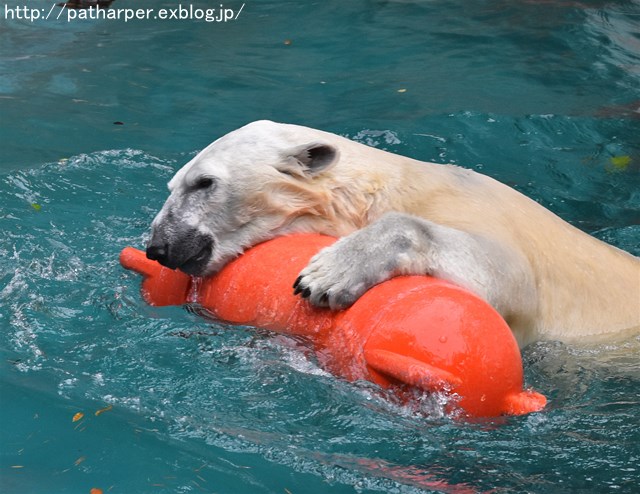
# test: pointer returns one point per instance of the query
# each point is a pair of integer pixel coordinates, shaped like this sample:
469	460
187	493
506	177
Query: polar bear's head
251	185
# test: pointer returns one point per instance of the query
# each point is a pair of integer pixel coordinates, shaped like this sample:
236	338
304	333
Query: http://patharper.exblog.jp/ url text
181	12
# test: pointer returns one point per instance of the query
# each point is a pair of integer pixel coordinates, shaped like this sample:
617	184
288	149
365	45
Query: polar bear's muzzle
190	251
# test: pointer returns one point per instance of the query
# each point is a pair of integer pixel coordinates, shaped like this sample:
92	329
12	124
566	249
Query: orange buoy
410	332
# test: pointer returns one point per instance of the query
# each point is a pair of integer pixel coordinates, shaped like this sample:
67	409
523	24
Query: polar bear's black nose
158	252
187	250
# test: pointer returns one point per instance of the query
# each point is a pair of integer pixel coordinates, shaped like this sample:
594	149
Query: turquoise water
541	95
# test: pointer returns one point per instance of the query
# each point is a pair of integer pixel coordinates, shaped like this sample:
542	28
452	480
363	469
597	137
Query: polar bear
395	216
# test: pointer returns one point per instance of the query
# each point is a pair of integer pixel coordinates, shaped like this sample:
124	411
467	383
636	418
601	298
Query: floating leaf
102	410
78	416
620	162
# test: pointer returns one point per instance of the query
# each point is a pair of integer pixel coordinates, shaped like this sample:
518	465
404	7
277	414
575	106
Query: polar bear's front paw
333	278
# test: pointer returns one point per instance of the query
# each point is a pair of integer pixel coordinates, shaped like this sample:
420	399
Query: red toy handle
160	286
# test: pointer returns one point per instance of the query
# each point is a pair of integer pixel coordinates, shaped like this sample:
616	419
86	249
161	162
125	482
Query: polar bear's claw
336	277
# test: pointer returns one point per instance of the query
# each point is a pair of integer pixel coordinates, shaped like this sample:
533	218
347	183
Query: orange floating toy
411	332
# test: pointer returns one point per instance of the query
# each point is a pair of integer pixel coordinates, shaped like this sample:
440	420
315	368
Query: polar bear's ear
309	159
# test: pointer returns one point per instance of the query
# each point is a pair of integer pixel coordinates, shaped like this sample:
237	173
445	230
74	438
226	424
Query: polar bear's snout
188	250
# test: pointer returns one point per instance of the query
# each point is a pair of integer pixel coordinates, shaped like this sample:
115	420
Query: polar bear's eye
203	183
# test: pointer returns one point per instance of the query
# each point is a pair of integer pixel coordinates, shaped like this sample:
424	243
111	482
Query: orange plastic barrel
408	333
